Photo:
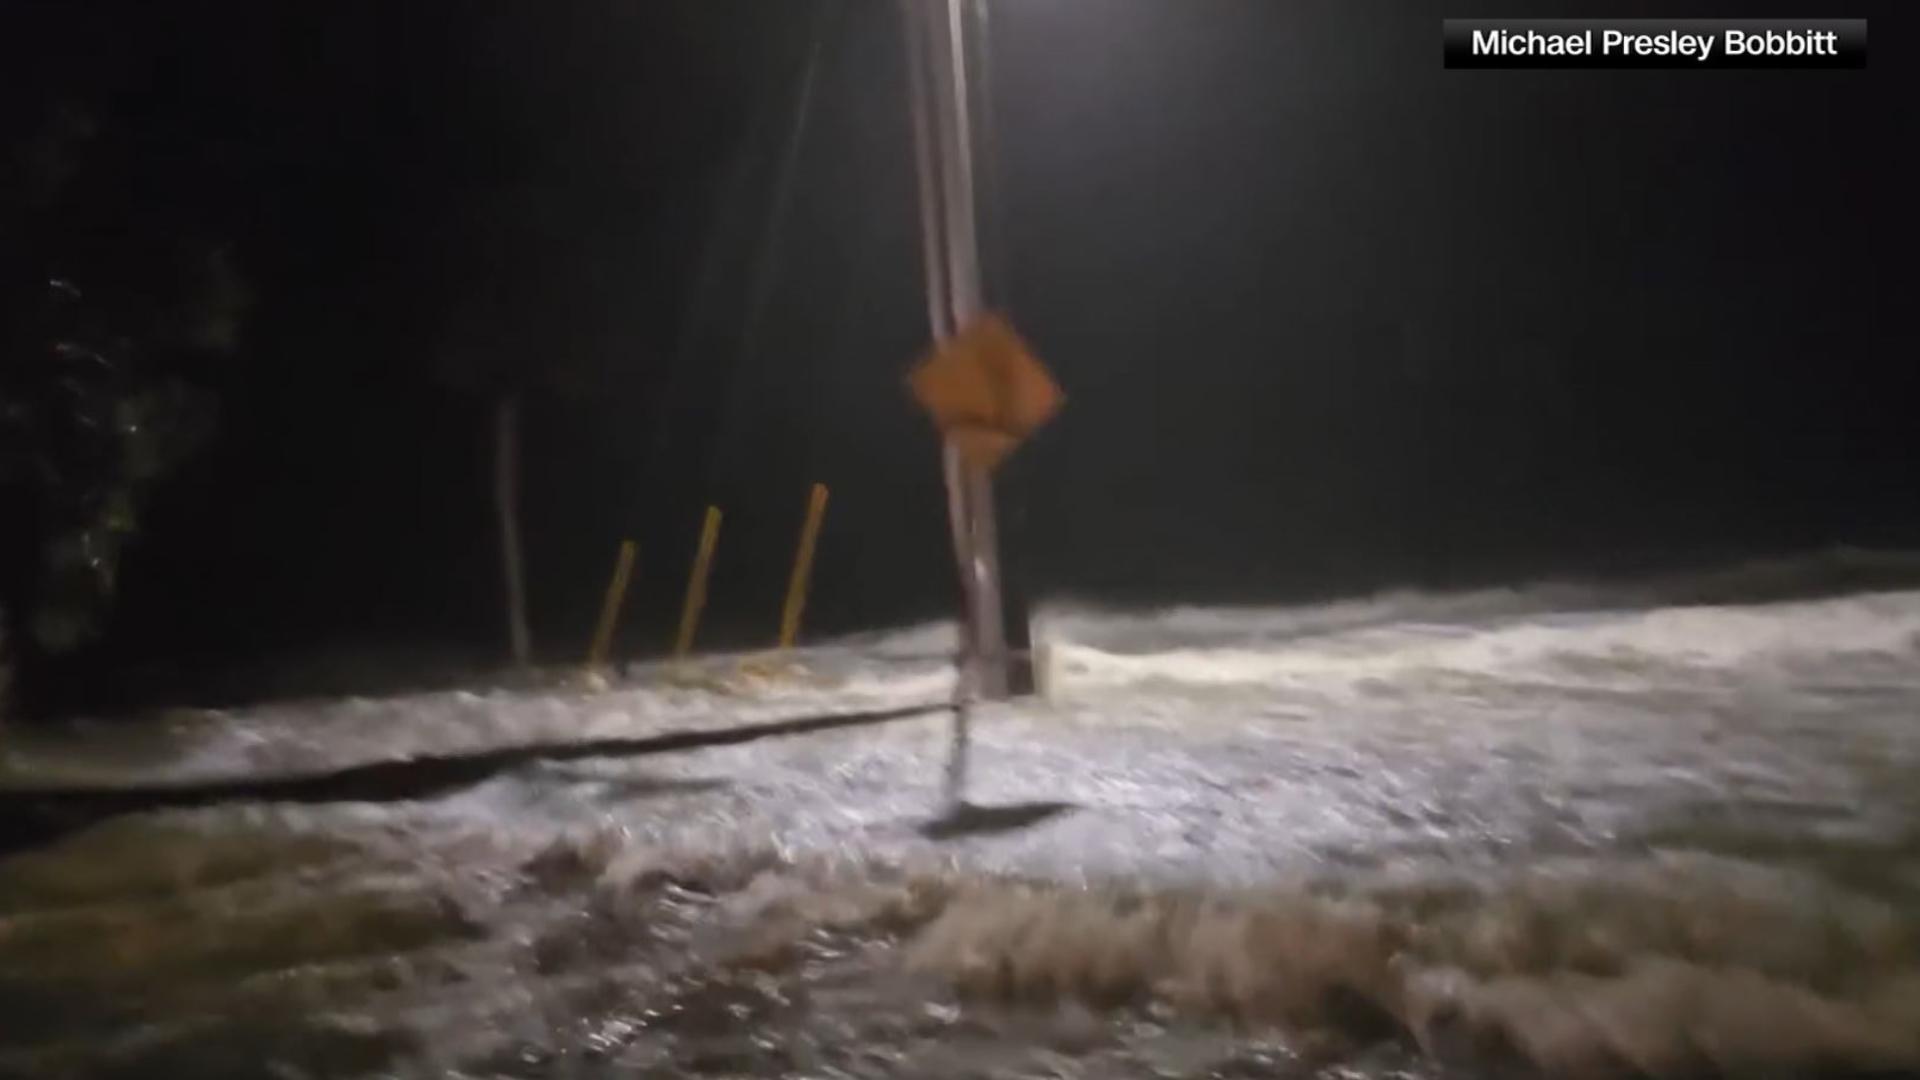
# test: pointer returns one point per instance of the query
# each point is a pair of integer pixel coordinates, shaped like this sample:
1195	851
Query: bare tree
506	495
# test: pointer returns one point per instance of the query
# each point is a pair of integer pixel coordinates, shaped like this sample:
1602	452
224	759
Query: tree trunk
506	494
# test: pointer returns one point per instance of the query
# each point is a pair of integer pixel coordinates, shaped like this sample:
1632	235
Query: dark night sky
1331	319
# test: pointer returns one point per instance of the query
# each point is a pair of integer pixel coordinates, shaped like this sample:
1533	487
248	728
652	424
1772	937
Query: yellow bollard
802	568
697	583
610	607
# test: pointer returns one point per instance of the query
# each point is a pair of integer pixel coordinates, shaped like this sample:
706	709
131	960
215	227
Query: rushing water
1572	832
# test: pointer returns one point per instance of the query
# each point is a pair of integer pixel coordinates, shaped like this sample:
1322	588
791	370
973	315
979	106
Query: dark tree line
115	308
551	226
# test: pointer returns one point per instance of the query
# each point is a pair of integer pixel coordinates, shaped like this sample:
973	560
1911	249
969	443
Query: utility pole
944	49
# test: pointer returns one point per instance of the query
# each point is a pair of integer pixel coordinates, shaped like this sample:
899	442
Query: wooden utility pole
945	133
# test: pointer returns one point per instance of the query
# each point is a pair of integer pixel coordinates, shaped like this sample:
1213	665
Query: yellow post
610	607
802	568
697	583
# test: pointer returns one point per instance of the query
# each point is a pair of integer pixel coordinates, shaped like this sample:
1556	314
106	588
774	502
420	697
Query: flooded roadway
1563	832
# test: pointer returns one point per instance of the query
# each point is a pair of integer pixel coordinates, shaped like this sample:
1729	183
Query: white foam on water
1547	826
1557	633
1585	648
1576	980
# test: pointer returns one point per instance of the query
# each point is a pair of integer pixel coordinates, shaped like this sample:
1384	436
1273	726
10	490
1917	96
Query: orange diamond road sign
985	390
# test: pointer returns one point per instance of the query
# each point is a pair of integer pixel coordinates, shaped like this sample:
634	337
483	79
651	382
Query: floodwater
1556	831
